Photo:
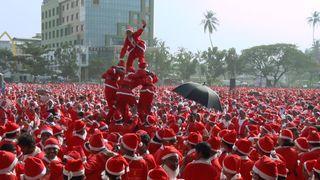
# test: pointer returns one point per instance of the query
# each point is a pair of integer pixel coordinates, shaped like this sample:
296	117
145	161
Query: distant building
96	27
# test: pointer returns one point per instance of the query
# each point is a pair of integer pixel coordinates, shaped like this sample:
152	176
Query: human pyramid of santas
77	132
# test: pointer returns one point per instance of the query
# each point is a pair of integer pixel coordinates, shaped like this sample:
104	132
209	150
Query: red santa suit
246	167
111	76
136	48
138	168
125	96
291	158
200	169
95	165
147	93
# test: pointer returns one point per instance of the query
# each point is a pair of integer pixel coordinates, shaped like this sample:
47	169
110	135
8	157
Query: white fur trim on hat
9	168
51	146
47	131
44	171
298	145
261	148
262	174
235	148
116	173
125	146
170	155
14	131
285	137
95	148
73	174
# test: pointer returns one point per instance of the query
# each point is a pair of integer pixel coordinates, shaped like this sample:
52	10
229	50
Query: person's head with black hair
8	147
27	143
73	178
203	150
145	140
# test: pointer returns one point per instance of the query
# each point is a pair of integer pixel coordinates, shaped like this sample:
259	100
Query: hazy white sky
243	23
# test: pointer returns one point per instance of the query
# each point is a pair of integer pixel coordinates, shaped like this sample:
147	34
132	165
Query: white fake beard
172	174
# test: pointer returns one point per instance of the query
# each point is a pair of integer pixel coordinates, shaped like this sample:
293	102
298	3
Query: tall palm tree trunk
210	40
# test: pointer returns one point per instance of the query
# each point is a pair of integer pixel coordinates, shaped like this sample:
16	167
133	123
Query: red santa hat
265	144
215	130
231	164
46	129
222	133
129	28
267	128
74	168
230	137
151	119
243	146
166	134
214	143
8	162
117	116
308	166
11	128
266	168
194	138
114	137
79	125
286	134
35	168
143	65
52	143
157	173
313	137
103	126
57	130
72	155
130	141
167	152
117	165
96	142
302	143
316	167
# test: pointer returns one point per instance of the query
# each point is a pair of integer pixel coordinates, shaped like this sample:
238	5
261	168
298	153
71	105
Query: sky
242	23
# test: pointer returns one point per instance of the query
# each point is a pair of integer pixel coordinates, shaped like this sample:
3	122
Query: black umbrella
200	94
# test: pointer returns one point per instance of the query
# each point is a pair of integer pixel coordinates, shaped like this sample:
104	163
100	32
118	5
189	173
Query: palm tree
210	23
314	20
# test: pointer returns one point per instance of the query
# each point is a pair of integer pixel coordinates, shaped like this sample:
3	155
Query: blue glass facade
104	18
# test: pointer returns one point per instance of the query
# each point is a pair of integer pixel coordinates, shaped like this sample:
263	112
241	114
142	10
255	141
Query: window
82	27
53	45
57	22
96	2
72	4
77	3
42	26
82	2
61	32
77	28
49	24
75	42
53	11
66	31
46	14
71	30
53	34
46	25
57	45
72	17
46	36
68	6
53	23
67	18
62	8
62	20
57	32
42	15
49	35
77	16
42	36
57	10
49	13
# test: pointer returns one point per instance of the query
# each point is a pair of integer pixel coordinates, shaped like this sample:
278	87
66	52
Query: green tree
185	63
232	62
210	23
98	66
6	58
314	20
215	61
33	60
273	61
160	59
65	58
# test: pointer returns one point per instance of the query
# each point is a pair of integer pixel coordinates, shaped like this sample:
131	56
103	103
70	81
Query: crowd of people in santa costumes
129	129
